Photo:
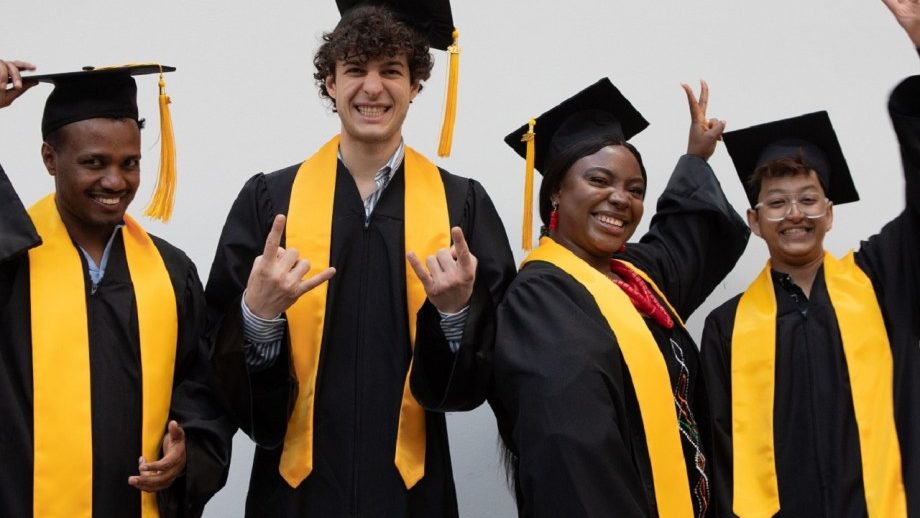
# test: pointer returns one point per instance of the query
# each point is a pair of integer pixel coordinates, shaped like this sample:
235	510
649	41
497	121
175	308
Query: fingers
316	280
420	271
461	250
273	241
692	102
716	128
175	432
704	97
9	73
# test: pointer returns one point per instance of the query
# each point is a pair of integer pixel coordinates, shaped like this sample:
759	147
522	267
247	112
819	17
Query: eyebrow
788	191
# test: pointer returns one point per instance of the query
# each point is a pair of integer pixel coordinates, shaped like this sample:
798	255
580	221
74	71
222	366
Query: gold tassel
527	229
161	205
450	105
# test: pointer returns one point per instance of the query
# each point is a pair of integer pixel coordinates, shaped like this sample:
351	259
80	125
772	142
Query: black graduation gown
17	234
564	399
115	390
818	466
365	350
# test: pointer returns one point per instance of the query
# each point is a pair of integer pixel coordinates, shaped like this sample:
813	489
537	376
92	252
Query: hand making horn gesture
704	133
277	277
449	277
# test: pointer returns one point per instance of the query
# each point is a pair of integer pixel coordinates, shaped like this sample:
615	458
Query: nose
617	197
113	180
373	83
793	212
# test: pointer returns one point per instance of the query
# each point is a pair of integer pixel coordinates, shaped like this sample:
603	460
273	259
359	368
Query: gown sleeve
258	401
441	379
891	259
694	239
208	430
715	358
559	376
17	234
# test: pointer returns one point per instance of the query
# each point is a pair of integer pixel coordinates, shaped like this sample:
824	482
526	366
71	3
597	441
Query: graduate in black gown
116	418
813	371
591	328
315	364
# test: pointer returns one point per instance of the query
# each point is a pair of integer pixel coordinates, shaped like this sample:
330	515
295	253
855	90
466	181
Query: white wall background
244	101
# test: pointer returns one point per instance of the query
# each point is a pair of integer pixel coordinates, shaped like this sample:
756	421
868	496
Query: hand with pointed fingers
449	276
159	475
277	277
11	83
704	133
907	12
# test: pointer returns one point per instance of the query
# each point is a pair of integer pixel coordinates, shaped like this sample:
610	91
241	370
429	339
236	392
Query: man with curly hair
329	273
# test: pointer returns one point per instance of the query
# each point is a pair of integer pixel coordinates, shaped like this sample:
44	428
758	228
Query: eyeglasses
779	207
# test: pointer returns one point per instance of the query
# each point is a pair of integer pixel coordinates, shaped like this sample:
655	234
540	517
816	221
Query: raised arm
696	236
17	234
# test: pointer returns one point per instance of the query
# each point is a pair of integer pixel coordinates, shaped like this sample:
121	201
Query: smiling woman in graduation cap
814	371
597	388
103	377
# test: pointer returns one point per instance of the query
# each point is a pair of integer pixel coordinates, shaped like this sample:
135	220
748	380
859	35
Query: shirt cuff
261	338
452	325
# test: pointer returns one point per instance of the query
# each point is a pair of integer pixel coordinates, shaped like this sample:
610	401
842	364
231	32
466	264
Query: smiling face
796	240
96	169
600	203
372	99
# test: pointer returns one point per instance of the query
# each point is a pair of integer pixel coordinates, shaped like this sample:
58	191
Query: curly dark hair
793	166
371	32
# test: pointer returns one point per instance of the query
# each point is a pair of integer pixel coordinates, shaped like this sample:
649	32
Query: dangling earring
554	217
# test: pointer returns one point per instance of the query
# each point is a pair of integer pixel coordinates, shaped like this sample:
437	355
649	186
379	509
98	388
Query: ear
829	216
754	222
416	86
330	85
49	157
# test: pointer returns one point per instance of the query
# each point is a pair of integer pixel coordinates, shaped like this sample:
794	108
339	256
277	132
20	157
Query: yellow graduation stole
63	475
309	230
866	347
648	370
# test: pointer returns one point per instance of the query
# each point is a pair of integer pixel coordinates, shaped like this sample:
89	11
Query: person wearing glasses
814	371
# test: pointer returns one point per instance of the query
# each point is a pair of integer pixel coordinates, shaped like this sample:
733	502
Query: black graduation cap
92	92
430	18
599	109
111	92
810	136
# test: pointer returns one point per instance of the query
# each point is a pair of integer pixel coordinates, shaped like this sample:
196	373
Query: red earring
621	249
554	217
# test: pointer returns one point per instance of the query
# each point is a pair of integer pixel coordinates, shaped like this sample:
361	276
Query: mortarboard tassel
161	205
527	229
450	104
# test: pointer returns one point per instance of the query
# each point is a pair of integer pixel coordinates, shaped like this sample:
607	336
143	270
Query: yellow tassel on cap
161	205
527	229
450	104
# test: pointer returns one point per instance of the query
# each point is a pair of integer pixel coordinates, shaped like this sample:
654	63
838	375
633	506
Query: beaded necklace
639	294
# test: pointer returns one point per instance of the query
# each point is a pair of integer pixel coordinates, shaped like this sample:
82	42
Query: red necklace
639	294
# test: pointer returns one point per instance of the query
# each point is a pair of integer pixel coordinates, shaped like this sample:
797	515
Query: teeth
796	231
610	220
107	201
371	111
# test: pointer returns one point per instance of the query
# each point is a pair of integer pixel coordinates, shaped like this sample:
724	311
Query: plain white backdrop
244	101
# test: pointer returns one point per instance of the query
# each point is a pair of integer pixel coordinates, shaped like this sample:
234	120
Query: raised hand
159	475
907	12
11	83
704	133
277	277
449	277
